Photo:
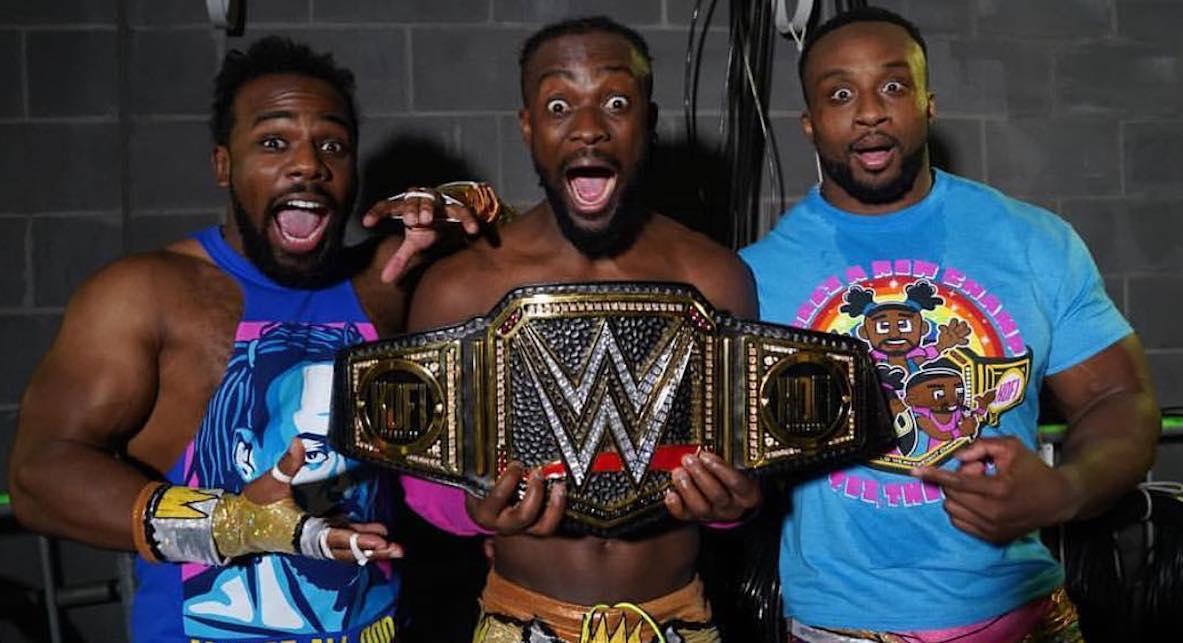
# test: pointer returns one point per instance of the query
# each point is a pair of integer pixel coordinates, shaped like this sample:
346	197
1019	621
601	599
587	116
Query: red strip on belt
667	458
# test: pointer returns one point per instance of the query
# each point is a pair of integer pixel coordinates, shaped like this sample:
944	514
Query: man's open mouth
300	222
591	186
874	152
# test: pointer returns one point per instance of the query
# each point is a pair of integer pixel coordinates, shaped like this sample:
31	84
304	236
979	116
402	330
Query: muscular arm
727	283
87	398
1113	425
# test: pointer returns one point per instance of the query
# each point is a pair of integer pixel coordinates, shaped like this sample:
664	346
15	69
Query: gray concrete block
23	340
1154	309
170	166
172	71
398	152
263	11
12	99
368	11
1166	371
955	145
519	181
1062	19
60	166
1152	150
797	155
145	233
668	49
941	17
377	58
1150	22
12	262
59	12
463	68
992	76
1115	288
1061	157
186	12
1130	235
72	73
169	12
628	12
680	12
67	250
785	93
1127	80
965	80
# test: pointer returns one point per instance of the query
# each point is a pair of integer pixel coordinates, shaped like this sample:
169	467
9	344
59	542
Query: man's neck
839	198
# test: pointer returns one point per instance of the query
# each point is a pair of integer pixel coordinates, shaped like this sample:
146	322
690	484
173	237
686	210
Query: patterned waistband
570	621
1051	619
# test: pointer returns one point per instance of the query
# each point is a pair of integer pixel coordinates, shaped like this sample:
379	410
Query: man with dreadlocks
182	409
937	539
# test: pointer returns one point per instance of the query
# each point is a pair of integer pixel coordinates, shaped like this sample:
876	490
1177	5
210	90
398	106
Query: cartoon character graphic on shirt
896	331
934	398
945	359
276	388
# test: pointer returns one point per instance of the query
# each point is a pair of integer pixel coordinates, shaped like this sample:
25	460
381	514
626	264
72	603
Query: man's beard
307	271
624	226
839	171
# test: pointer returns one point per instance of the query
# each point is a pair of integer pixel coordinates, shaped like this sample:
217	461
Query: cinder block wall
1073	104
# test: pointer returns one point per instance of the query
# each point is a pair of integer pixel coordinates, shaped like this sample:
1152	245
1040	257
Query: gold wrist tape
243	527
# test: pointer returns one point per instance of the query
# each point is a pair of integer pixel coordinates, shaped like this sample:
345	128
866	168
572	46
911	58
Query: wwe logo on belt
591	399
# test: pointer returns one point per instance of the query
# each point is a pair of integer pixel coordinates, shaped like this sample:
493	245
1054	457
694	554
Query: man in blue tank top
968	301
182	410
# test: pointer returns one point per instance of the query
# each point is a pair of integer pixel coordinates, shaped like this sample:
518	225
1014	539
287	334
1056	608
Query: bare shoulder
455	288
138	283
714	269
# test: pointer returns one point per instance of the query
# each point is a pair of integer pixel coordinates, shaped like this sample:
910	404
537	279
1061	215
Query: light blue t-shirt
967	300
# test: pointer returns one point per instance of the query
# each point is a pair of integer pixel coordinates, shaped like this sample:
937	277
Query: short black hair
273	55
579	26
860	14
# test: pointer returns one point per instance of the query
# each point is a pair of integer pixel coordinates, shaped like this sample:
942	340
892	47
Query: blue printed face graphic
298	407
308	387
277	389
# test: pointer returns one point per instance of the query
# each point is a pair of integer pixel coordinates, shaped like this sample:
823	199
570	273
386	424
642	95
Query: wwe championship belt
607	386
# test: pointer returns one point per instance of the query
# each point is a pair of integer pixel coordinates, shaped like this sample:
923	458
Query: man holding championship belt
575	377
182	411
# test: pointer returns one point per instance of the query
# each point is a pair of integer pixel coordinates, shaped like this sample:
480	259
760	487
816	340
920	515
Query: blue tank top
276	387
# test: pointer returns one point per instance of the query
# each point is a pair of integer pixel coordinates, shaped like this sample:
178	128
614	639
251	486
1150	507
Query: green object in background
4	500
1172	427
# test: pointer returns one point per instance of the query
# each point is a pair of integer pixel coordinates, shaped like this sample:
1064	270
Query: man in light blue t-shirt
969	301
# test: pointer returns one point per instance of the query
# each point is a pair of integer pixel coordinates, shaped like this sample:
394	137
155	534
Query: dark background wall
1074	104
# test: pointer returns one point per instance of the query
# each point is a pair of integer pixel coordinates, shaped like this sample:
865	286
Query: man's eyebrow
278	114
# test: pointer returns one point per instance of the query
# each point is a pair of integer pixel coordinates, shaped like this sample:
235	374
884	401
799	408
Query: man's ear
807	124
220	160
654	112
524	125
932	107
